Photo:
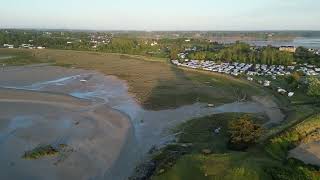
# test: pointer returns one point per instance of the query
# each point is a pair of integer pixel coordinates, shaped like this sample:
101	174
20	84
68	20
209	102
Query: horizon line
137	30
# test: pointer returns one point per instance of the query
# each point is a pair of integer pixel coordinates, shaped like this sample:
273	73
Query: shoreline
144	130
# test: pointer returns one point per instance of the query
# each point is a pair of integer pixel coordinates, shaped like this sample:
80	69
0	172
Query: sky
153	15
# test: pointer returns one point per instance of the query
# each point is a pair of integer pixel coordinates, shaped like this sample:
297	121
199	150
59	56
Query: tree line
242	52
165	47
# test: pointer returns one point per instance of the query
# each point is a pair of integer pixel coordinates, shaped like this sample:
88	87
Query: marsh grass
21	57
155	83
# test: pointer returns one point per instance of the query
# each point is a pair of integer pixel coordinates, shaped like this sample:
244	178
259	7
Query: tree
174	53
197	55
314	86
243	132
303	55
293	80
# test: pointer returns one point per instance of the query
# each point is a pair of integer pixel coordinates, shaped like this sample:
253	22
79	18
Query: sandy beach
92	113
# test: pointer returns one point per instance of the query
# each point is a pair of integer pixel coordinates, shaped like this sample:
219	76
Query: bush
243	132
293	80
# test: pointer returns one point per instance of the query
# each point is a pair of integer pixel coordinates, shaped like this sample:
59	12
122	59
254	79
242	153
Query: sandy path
308	153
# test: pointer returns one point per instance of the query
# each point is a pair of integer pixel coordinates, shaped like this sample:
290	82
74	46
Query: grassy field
189	162
155	83
236	166
186	159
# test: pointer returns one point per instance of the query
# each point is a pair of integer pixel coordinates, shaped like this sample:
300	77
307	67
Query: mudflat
94	132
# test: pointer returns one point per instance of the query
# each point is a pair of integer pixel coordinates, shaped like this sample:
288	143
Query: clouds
162	15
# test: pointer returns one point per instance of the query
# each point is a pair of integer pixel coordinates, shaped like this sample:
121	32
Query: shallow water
300	41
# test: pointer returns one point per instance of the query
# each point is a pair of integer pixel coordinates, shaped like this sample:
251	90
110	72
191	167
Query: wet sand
114	143
95	132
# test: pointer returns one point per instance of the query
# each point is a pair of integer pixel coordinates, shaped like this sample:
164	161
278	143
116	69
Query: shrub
243	132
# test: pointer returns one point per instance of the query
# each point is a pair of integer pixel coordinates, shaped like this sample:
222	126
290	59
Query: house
291	49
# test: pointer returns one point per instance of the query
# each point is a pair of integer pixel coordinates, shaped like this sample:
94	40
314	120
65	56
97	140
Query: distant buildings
291	49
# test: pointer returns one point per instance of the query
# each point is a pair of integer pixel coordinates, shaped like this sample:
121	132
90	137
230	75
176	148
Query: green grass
279	146
185	159
195	136
200	133
296	108
40	151
233	166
